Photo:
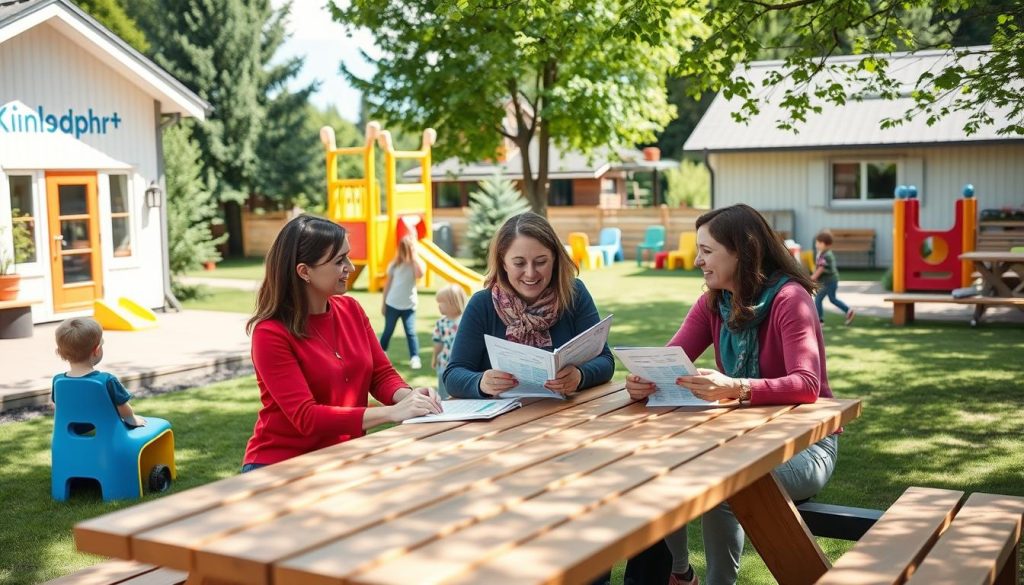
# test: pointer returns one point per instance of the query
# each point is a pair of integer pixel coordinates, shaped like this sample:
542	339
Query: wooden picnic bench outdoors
933	537
854	241
122	573
554	492
16	318
903	304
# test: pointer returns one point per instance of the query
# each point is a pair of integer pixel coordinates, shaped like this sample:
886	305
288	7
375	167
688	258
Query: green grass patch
241	268
941	408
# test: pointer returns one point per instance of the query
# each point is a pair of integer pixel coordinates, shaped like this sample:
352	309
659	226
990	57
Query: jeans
253	466
828	288
802	477
408	317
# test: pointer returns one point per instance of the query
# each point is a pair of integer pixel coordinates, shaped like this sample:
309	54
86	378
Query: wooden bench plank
119	572
979	543
895	545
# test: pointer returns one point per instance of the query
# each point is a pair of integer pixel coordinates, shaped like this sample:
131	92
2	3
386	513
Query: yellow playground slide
448	268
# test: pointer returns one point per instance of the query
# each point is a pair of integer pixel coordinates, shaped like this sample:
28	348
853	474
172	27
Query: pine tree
497	200
111	15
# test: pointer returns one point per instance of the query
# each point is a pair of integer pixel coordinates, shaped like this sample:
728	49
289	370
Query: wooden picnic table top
556	491
993	256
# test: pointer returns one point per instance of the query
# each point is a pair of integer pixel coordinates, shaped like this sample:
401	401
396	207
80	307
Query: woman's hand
711	385
566	381
638	387
413	402
494	382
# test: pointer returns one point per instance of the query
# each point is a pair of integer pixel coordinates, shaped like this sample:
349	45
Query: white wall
799	180
41	67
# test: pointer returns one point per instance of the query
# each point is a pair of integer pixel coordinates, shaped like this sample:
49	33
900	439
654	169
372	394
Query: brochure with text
532	366
662	365
468	409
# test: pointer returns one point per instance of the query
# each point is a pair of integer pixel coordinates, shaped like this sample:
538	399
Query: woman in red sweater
316	358
759	315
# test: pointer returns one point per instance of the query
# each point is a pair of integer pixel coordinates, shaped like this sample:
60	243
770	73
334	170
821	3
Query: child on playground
80	343
400	297
451	301
827	274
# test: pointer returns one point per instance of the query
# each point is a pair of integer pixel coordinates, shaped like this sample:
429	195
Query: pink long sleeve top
792	349
311	399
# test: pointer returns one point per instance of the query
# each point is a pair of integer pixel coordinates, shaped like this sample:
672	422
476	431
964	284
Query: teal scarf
739	348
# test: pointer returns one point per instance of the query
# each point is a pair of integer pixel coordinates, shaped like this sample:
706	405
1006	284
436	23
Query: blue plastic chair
114	455
609	241
654	240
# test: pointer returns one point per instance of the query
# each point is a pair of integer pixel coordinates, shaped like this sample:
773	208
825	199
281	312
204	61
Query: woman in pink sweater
317	360
759	315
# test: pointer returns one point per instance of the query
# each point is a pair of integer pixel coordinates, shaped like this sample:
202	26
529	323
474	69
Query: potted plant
24	251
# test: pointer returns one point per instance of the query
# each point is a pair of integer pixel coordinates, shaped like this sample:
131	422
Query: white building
839	169
81	114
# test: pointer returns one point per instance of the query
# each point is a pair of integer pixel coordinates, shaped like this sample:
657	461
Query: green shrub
496	201
689	184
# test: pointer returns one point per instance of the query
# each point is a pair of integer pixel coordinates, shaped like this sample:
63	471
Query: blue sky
324	45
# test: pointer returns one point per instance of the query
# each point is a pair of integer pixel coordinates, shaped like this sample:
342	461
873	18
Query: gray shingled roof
854	124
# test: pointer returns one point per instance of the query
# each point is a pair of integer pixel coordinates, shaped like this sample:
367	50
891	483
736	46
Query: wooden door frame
55	179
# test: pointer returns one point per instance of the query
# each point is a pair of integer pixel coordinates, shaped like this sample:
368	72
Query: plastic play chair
90	441
610	243
685	254
583	254
654	240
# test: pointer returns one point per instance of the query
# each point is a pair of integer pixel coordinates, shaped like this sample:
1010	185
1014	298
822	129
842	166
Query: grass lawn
941	408
243	268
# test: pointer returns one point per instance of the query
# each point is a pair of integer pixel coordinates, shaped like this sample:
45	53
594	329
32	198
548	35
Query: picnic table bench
16	318
122	573
859	241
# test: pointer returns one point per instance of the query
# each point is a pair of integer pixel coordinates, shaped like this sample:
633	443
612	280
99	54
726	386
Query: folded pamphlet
470	409
662	365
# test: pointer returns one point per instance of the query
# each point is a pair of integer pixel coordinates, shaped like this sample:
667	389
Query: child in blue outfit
80	343
451	301
827	275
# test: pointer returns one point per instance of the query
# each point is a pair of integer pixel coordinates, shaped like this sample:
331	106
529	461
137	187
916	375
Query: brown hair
77	338
303	240
825	237
761	258
531	225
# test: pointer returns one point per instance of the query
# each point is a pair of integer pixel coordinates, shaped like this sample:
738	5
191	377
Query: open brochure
533	366
662	365
471	409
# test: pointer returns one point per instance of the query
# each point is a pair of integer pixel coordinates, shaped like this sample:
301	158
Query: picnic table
1002	278
556	491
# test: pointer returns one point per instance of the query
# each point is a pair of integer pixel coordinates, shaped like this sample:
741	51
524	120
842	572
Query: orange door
75	240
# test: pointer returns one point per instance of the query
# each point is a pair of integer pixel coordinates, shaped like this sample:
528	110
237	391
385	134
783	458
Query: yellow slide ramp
448	268
126	315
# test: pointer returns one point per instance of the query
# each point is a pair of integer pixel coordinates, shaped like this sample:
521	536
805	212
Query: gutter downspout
711	171
164	121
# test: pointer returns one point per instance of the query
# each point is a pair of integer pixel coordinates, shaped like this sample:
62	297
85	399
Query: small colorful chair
686	254
583	254
90	441
610	243
654	240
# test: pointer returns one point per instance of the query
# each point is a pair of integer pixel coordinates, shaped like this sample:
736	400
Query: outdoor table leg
779	534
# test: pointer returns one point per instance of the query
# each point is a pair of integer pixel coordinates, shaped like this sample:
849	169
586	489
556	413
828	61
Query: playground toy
355	204
930	259
125	315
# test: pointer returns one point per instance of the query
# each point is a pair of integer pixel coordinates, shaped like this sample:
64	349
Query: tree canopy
577	72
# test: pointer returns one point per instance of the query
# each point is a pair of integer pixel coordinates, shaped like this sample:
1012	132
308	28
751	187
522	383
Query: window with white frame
865	180
23	218
120	216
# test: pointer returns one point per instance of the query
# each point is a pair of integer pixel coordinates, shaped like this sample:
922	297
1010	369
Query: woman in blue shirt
531	296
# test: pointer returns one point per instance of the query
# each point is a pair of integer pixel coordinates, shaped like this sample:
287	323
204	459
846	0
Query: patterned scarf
739	348
526	324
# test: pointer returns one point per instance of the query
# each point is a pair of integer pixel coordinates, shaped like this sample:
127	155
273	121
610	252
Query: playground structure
355	204
930	259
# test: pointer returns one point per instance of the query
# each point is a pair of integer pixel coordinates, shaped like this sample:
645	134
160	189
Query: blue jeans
802	477
408	317
828	288
253	466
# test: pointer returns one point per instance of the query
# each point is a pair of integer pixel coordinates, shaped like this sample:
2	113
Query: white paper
471	409
662	365
533	366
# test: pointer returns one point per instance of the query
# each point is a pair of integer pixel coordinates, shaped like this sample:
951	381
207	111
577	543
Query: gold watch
744	390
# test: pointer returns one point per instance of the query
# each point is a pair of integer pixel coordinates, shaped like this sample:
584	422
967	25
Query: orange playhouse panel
356	239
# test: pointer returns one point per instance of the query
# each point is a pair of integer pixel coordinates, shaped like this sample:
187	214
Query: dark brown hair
77	338
761	257
282	296
531	225
825	237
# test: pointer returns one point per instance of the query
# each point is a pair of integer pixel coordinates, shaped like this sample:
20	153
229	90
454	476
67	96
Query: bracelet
744	390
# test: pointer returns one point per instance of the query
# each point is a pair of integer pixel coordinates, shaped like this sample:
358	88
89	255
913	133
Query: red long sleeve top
311	399
792	348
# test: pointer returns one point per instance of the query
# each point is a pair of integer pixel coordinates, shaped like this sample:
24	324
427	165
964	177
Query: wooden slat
108	572
577	480
249	553
926	298
160	577
895	545
977	544
581	549
777	531
110	534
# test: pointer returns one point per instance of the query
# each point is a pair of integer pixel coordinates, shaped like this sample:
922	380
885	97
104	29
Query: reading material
532	366
662	365
471	409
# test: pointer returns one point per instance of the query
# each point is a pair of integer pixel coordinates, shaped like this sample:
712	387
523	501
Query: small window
864	180
120	216
560	193
448	195
23	216
609	186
